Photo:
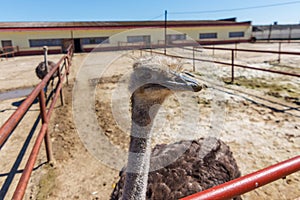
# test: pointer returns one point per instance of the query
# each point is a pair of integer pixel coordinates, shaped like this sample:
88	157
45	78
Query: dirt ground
258	117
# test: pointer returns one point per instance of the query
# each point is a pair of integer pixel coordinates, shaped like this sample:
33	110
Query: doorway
77	45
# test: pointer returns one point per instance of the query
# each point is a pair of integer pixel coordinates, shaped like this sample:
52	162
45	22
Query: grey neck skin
140	149
46	58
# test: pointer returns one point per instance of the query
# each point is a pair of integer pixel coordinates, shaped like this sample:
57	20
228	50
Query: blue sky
120	10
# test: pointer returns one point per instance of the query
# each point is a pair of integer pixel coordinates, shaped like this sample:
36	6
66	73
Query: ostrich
205	163
44	68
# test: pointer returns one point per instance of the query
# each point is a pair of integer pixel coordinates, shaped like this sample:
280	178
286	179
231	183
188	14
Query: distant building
277	32
31	36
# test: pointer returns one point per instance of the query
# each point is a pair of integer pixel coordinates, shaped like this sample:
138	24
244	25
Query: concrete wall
277	34
280	32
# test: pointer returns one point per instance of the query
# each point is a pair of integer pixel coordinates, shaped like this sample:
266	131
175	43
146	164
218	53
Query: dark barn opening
77	45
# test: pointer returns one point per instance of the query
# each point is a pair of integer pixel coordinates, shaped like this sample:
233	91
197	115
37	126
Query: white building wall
117	35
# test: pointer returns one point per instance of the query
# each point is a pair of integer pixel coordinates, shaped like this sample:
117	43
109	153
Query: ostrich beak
183	82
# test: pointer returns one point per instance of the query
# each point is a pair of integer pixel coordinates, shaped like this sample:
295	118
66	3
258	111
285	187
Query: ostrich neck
139	149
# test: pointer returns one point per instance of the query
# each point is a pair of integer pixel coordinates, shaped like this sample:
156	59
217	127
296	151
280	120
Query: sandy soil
258	117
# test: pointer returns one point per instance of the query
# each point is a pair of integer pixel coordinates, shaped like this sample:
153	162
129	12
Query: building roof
115	24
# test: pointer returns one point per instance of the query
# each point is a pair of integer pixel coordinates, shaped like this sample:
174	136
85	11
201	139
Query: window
208	35
95	40
45	42
139	38
6	46
173	37
6	43
236	34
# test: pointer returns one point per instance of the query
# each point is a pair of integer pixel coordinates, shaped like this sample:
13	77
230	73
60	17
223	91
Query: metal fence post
290	34
232	65
236	49
193	59
279	52
59	81
66	64
45	120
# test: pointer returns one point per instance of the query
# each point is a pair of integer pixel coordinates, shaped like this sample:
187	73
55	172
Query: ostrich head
155	78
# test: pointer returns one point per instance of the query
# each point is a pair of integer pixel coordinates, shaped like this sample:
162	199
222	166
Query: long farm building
29	37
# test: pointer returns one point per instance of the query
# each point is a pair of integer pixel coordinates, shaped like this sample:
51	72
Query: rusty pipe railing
279	52
7	129
8	50
249	182
254	50
232	64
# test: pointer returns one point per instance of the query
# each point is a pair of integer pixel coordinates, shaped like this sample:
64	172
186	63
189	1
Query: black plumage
200	167
41	70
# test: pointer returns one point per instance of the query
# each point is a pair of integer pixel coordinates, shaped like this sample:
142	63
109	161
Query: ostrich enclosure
258	116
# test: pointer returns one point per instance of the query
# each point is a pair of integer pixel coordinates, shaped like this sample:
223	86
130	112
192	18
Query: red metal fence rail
62	67
279	52
8	51
249	182
255	50
232	63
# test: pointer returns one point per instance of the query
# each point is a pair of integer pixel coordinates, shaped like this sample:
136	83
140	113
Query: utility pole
166	13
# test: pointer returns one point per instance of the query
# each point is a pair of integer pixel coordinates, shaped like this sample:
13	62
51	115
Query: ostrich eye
178	80
146	75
